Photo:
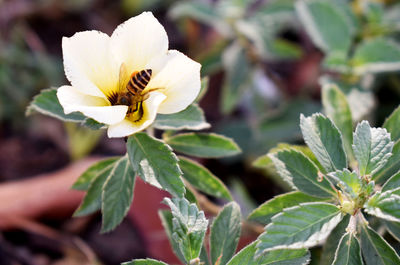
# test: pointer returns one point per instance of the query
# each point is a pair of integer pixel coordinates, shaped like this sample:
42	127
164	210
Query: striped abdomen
139	81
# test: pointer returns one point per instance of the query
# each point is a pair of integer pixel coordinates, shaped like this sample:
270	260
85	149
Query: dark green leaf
392	183
225	234
393	228
117	194
300	226
188	227
83	182
276	205
208	145
191	118
144	262
155	163
301	173
325	140
375	249
348	252
202	179
47	103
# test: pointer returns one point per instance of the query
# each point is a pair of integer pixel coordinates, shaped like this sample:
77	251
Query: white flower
99	68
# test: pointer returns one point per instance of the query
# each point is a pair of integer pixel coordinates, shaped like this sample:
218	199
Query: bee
131	92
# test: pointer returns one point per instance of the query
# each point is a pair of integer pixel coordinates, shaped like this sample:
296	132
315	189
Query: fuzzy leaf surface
372	148
300	172
225	234
188	227
385	205
347	181
301	226
155	163
391	167
325	140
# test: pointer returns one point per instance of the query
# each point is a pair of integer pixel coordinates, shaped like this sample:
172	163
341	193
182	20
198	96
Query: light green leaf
392	183
349	182
265	211
348	251
144	262
155	163
47	103
392	124
391	167
208	145
384	205
225	234
203	89
329	248
83	182
237	76
337	108
188	227
275	257
326	24
117	194
372	148
202	179
325	140
375	249
191	118
300	226
166	220
301	173
376	55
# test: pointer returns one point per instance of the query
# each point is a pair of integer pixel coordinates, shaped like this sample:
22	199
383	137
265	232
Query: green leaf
92	124
376	55
349	182
391	167
204	259
275	257
326	24
166	220
155	163
47	103
300	226
208	145
325	140
329	248
191	118
203	89
375	249
275	205
117	194
188	227
83	182
301	173
372	148
392	124
237	76
384	205
393	228
202	179
348	251
337	108
144	262
225	234
392	183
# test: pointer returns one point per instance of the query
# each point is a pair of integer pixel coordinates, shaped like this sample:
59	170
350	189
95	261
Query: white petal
97	108
128	127
139	40
89	64
178	77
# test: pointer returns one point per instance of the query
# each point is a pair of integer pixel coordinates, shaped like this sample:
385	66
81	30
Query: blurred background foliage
265	61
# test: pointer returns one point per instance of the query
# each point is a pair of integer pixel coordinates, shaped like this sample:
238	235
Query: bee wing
123	77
